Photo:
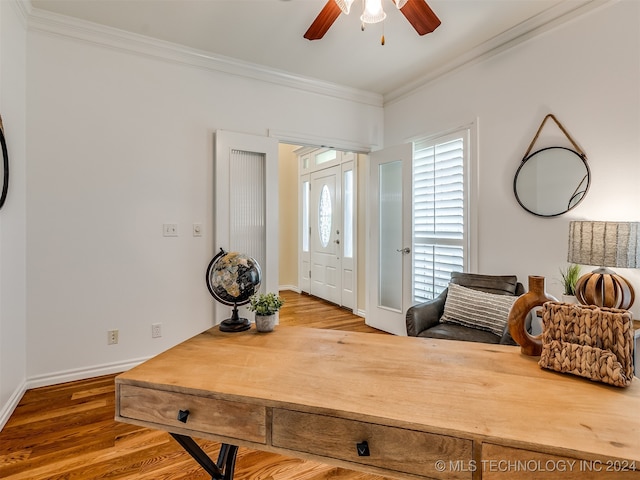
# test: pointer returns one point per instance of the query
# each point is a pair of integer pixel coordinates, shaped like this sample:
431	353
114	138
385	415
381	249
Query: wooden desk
427	408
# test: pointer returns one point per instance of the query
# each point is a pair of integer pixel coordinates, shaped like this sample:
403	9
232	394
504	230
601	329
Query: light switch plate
170	230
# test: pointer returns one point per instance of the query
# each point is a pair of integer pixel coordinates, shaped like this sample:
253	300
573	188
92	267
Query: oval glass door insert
324	216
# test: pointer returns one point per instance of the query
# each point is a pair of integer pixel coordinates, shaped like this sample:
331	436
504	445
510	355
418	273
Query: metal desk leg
223	470
227	460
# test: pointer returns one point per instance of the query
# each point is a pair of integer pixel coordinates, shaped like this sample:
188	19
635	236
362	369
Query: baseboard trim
9	407
62	377
82	373
293	288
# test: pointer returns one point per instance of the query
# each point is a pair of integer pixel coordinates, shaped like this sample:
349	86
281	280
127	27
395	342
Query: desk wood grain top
488	393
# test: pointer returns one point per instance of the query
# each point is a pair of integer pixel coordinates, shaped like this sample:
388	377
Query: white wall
118	144
12	215
587	73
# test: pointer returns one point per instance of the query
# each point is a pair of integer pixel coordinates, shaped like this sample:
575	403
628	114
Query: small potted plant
265	306
570	276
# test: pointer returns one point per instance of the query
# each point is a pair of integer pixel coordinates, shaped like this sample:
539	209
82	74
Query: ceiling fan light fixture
373	12
345	5
417	12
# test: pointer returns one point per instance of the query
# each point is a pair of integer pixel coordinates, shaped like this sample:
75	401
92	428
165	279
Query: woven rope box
589	341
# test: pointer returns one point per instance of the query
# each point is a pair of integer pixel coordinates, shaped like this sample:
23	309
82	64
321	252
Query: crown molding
533	27
22	9
81	30
108	37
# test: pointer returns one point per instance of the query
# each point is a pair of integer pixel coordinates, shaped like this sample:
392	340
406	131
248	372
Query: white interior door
246	204
389	278
325	227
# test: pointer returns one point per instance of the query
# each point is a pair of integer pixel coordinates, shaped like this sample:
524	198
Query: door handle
404	251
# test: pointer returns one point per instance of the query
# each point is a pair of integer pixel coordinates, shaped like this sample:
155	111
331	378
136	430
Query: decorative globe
232	278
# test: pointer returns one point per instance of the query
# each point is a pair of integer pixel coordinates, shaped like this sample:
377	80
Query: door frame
224	142
305	170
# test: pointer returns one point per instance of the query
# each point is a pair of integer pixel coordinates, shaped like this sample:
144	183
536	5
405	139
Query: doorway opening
319	228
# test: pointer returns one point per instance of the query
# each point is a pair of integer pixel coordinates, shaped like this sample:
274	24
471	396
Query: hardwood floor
68	431
306	311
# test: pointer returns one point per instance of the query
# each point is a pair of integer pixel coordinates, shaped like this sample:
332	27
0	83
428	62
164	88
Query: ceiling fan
417	12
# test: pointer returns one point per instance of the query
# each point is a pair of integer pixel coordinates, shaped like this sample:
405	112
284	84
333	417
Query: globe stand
232	278
235	323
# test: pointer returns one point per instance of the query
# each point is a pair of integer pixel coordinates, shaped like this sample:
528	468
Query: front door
325	214
389	278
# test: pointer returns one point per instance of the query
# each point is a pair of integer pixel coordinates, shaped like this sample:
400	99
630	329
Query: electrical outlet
156	330
112	337
170	229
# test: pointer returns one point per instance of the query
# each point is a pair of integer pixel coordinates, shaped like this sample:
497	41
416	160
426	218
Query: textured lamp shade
373	12
607	244
345	5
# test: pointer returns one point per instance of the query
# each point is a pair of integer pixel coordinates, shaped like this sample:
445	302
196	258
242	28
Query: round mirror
551	181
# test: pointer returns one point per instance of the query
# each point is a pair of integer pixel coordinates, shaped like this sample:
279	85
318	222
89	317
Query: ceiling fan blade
420	16
323	21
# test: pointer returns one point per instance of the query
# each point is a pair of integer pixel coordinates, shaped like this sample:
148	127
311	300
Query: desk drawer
392	448
506	463
209	415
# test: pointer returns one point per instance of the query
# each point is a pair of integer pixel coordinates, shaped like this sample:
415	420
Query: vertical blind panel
248	205
438	215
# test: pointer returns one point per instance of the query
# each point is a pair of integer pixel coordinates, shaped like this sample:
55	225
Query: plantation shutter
439	213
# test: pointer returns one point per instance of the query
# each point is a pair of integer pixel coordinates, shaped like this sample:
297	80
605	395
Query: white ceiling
269	33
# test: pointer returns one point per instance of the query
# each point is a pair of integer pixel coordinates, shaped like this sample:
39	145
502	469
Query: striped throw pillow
477	309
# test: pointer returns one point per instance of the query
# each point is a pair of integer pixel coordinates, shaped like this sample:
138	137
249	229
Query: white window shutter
439	213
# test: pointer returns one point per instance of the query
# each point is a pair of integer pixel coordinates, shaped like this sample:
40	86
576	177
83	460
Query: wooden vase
536	296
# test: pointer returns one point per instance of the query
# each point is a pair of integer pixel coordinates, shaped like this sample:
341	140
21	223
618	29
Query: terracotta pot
536	296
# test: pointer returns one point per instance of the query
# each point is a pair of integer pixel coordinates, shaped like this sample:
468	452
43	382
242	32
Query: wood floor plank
68	431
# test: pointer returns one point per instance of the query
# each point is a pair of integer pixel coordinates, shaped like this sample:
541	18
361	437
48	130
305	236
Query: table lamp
608	244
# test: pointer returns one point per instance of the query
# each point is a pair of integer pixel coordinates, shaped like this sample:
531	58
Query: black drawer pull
363	449
183	415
